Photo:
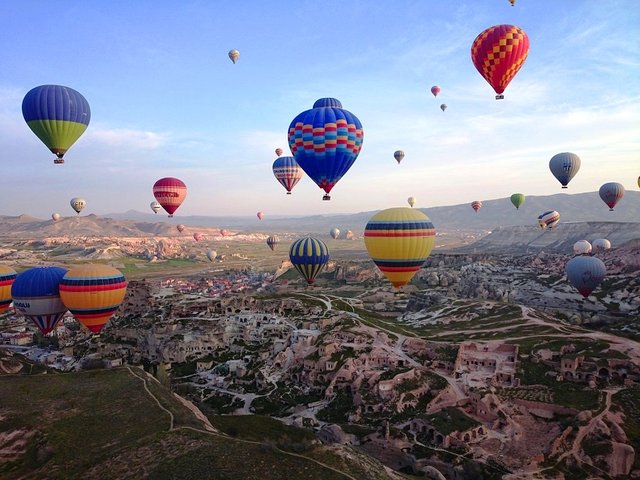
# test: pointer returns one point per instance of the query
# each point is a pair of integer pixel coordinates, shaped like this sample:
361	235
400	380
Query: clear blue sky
167	101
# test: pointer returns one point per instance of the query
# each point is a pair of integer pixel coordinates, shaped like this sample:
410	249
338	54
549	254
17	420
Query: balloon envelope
272	241
411	201
155	206
36	294
78	204
335	233
398	155
611	193
443	107
55	217
287	172
435	90
180	227
260	215
601	244
197	236
325	141
58	116
498	53
234	55
564	167
170	193
279	151
585	273
399	240
476	205
581	247
7	277
93	293
211	255
309	256
549	219
517	199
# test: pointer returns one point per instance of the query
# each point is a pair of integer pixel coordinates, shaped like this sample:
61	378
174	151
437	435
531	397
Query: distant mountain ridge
494	214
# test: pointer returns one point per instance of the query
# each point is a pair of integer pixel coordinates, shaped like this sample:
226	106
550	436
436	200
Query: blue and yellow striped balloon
399	240
309	256
93	293
58	115
7	277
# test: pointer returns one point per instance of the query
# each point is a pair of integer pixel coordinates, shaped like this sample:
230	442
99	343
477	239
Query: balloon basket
58	161
564	186
500	97
326	197
611	209
288	193
170	216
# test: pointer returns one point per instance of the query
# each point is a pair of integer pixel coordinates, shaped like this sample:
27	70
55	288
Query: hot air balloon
498	53
78	204
581	247
435	90
564	167
7	277
234	55
585	273
211	255
611	193
476	205
325	141
512	2
155	206
57	115
93	292
398	155
399	240
170	193
349	235
411	201
549	219
55	217
287	172
443	107
517	199
36	294
335	233
180	227
279	152
309	256
601	244
197	236
224	232
260	215
272	241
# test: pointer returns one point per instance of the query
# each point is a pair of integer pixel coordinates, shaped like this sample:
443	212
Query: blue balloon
36	294
309	256
325	141
585	273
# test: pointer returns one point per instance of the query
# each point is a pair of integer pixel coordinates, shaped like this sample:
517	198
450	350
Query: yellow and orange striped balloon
7	277
399	240
92	293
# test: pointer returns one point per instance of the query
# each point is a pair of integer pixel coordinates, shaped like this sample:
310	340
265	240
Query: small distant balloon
411	201
78	204
260	215
55	217
197	236
443	107
549	219
155	206
224	232
476	205
287	172
7	277
180	227
611	193
211	255
517	199
601	244
435	90
581	247
170	193
585	273
272	241
349	235
398	155
335	233
234	55
564	167
279	152
512	2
